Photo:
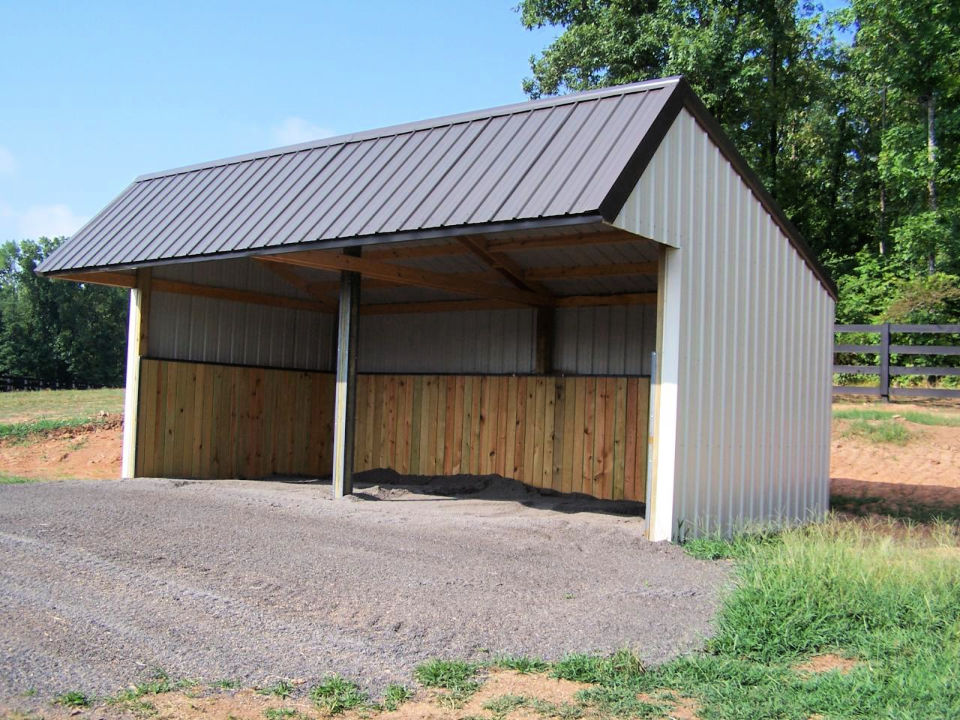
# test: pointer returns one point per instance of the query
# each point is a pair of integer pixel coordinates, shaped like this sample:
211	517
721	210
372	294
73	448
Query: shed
589	293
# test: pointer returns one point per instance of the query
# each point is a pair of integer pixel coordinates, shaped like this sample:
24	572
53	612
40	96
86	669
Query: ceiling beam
649	298
587	271
295	279
466	305
114	279
504	265
244	296
407	276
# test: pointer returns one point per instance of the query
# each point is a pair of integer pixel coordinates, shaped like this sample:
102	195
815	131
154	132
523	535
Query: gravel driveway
101	582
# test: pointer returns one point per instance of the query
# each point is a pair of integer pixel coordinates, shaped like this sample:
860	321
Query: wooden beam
138	336
114	279
437	306
407	276
345	403
293	278
649	298
556	241
504	265
401	252
468	305
244	296
581	271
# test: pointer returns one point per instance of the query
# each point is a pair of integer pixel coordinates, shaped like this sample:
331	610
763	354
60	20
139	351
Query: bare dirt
85	451
827	662
925	471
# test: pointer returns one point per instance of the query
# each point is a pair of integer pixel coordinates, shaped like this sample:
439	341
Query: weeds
879	431
455	676
281	713
227	684
505	704
73	699
23	431
521	664
395	696
717	547
15	480
914	416
280	689
620	669
337	694
619	702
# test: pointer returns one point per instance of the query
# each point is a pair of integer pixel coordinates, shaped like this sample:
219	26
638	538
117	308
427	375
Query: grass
521	664
887	594
395	696
879	431
336	695
72	699
25	430
914	416
280	689
32	405
131	700
15	480
455	676
281	713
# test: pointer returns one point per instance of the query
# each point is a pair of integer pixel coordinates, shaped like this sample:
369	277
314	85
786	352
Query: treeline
850	117
61	332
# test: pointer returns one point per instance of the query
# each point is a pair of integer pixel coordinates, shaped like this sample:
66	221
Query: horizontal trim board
897	370
925	349
855	390
924	392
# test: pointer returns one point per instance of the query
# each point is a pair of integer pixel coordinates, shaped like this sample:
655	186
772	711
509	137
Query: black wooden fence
19	382
906	346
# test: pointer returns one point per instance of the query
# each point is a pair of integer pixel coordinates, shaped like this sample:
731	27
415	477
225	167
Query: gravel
102	582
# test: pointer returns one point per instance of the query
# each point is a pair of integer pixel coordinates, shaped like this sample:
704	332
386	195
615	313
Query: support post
346	398
666	397
885	362
543	362
138	336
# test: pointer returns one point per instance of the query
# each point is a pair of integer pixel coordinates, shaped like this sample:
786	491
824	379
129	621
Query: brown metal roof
554	159
552	163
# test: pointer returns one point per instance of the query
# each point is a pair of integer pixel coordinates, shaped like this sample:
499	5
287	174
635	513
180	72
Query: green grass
395	696
886	594
73	699
879	431
227	684
280	689
32	405
521	664
914	416
447	674
15	480
131	700
26	430
281	713
336	695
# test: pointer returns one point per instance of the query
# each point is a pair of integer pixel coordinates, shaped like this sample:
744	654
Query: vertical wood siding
570	434
221	421
754	329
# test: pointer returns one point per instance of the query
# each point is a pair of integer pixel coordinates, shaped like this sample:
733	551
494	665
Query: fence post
885	362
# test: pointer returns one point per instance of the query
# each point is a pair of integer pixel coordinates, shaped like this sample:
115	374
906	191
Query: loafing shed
590	293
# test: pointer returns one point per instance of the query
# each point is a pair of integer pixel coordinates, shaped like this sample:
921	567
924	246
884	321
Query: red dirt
826	663
86	451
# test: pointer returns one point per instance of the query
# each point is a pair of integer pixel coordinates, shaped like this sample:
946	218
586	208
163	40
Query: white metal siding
199	329
753	353
496	341
614	340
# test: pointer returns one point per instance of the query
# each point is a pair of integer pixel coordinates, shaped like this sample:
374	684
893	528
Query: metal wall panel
184	327
615	340
752	362
496	341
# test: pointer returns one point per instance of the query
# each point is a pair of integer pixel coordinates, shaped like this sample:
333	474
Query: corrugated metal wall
605	340
499	341
589	341
184	327
752	362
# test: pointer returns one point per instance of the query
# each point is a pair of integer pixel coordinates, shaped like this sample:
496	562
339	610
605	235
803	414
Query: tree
57	331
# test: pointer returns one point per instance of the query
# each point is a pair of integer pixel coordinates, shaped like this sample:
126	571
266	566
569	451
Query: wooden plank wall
570	434
225	421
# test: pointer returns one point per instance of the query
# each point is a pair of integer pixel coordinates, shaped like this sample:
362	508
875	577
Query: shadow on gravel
386	485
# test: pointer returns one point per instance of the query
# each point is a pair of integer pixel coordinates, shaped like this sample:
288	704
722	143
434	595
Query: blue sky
96	92
93	94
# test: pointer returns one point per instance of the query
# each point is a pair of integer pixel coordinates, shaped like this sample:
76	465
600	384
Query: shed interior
525	354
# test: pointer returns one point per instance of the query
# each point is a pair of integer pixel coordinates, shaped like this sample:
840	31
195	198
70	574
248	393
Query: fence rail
884	369
9	383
